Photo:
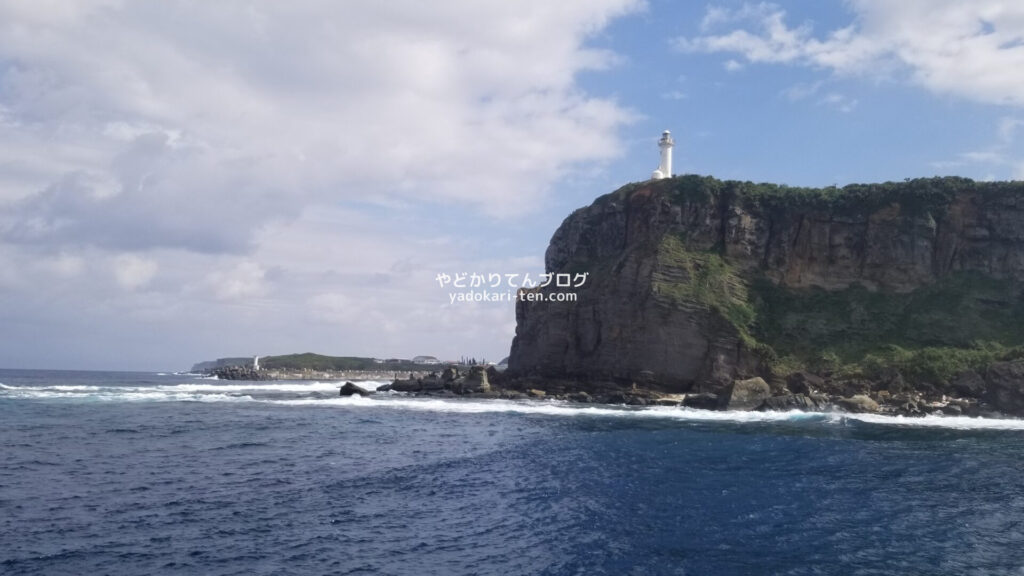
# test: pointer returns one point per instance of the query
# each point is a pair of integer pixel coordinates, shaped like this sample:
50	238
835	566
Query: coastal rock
1004	387
701	401
580	397
747	394
476	381
952	410
406	386
804	383
432	382
800	402
858	403
850	387
348	389
493	375
968	384
240	373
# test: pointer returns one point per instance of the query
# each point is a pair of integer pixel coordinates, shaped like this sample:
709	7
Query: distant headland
901	297
311	366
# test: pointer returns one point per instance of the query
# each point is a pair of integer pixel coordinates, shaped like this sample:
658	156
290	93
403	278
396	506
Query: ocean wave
271	393
934	421
187	390
264	387
561	408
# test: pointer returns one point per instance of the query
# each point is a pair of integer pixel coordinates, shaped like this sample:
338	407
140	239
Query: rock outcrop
689	284
475	380
350	389
747	394
1004	387
240	373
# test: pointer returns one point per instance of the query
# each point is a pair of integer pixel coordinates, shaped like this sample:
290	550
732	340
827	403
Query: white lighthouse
665	166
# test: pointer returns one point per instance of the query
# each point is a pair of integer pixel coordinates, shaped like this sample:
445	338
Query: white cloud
733	65
133	272
190	149
835	100
241	281
802	91
947	46
443	102
839	101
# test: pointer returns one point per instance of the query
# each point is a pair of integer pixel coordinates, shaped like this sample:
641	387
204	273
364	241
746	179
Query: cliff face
694	282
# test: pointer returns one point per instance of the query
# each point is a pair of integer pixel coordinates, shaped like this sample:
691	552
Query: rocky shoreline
998	392
264	374
802	391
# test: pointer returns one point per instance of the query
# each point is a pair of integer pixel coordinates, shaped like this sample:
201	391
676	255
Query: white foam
936	421
187	390
245	391
551	408
560	408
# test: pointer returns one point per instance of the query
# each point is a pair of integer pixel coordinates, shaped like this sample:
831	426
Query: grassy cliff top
912	194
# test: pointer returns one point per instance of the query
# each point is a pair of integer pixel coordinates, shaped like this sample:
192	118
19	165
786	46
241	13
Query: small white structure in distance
665	166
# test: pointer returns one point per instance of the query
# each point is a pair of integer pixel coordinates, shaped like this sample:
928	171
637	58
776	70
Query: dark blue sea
133	473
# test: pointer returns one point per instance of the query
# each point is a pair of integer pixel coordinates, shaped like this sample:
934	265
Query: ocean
141	473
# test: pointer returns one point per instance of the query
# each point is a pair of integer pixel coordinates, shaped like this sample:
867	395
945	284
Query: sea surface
141	473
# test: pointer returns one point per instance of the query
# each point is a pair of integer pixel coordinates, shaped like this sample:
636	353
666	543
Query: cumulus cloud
441	101
192	146
949	47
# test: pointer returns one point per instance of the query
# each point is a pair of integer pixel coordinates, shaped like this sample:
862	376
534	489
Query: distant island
309	365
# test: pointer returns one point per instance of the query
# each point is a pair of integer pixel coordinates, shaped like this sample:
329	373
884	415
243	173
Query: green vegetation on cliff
705	279
915	196
964	320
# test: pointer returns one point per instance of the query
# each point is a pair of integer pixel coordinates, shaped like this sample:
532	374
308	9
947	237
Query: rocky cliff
693	283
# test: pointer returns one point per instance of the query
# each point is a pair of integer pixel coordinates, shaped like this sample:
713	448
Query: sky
182	181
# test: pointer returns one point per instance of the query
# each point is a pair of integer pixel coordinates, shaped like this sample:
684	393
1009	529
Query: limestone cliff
694	282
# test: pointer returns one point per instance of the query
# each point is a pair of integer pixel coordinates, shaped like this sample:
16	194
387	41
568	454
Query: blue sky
180	182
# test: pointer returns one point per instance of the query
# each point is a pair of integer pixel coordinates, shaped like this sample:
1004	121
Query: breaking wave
324	394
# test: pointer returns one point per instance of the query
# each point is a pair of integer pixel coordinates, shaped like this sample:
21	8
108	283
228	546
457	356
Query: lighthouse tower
665	166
